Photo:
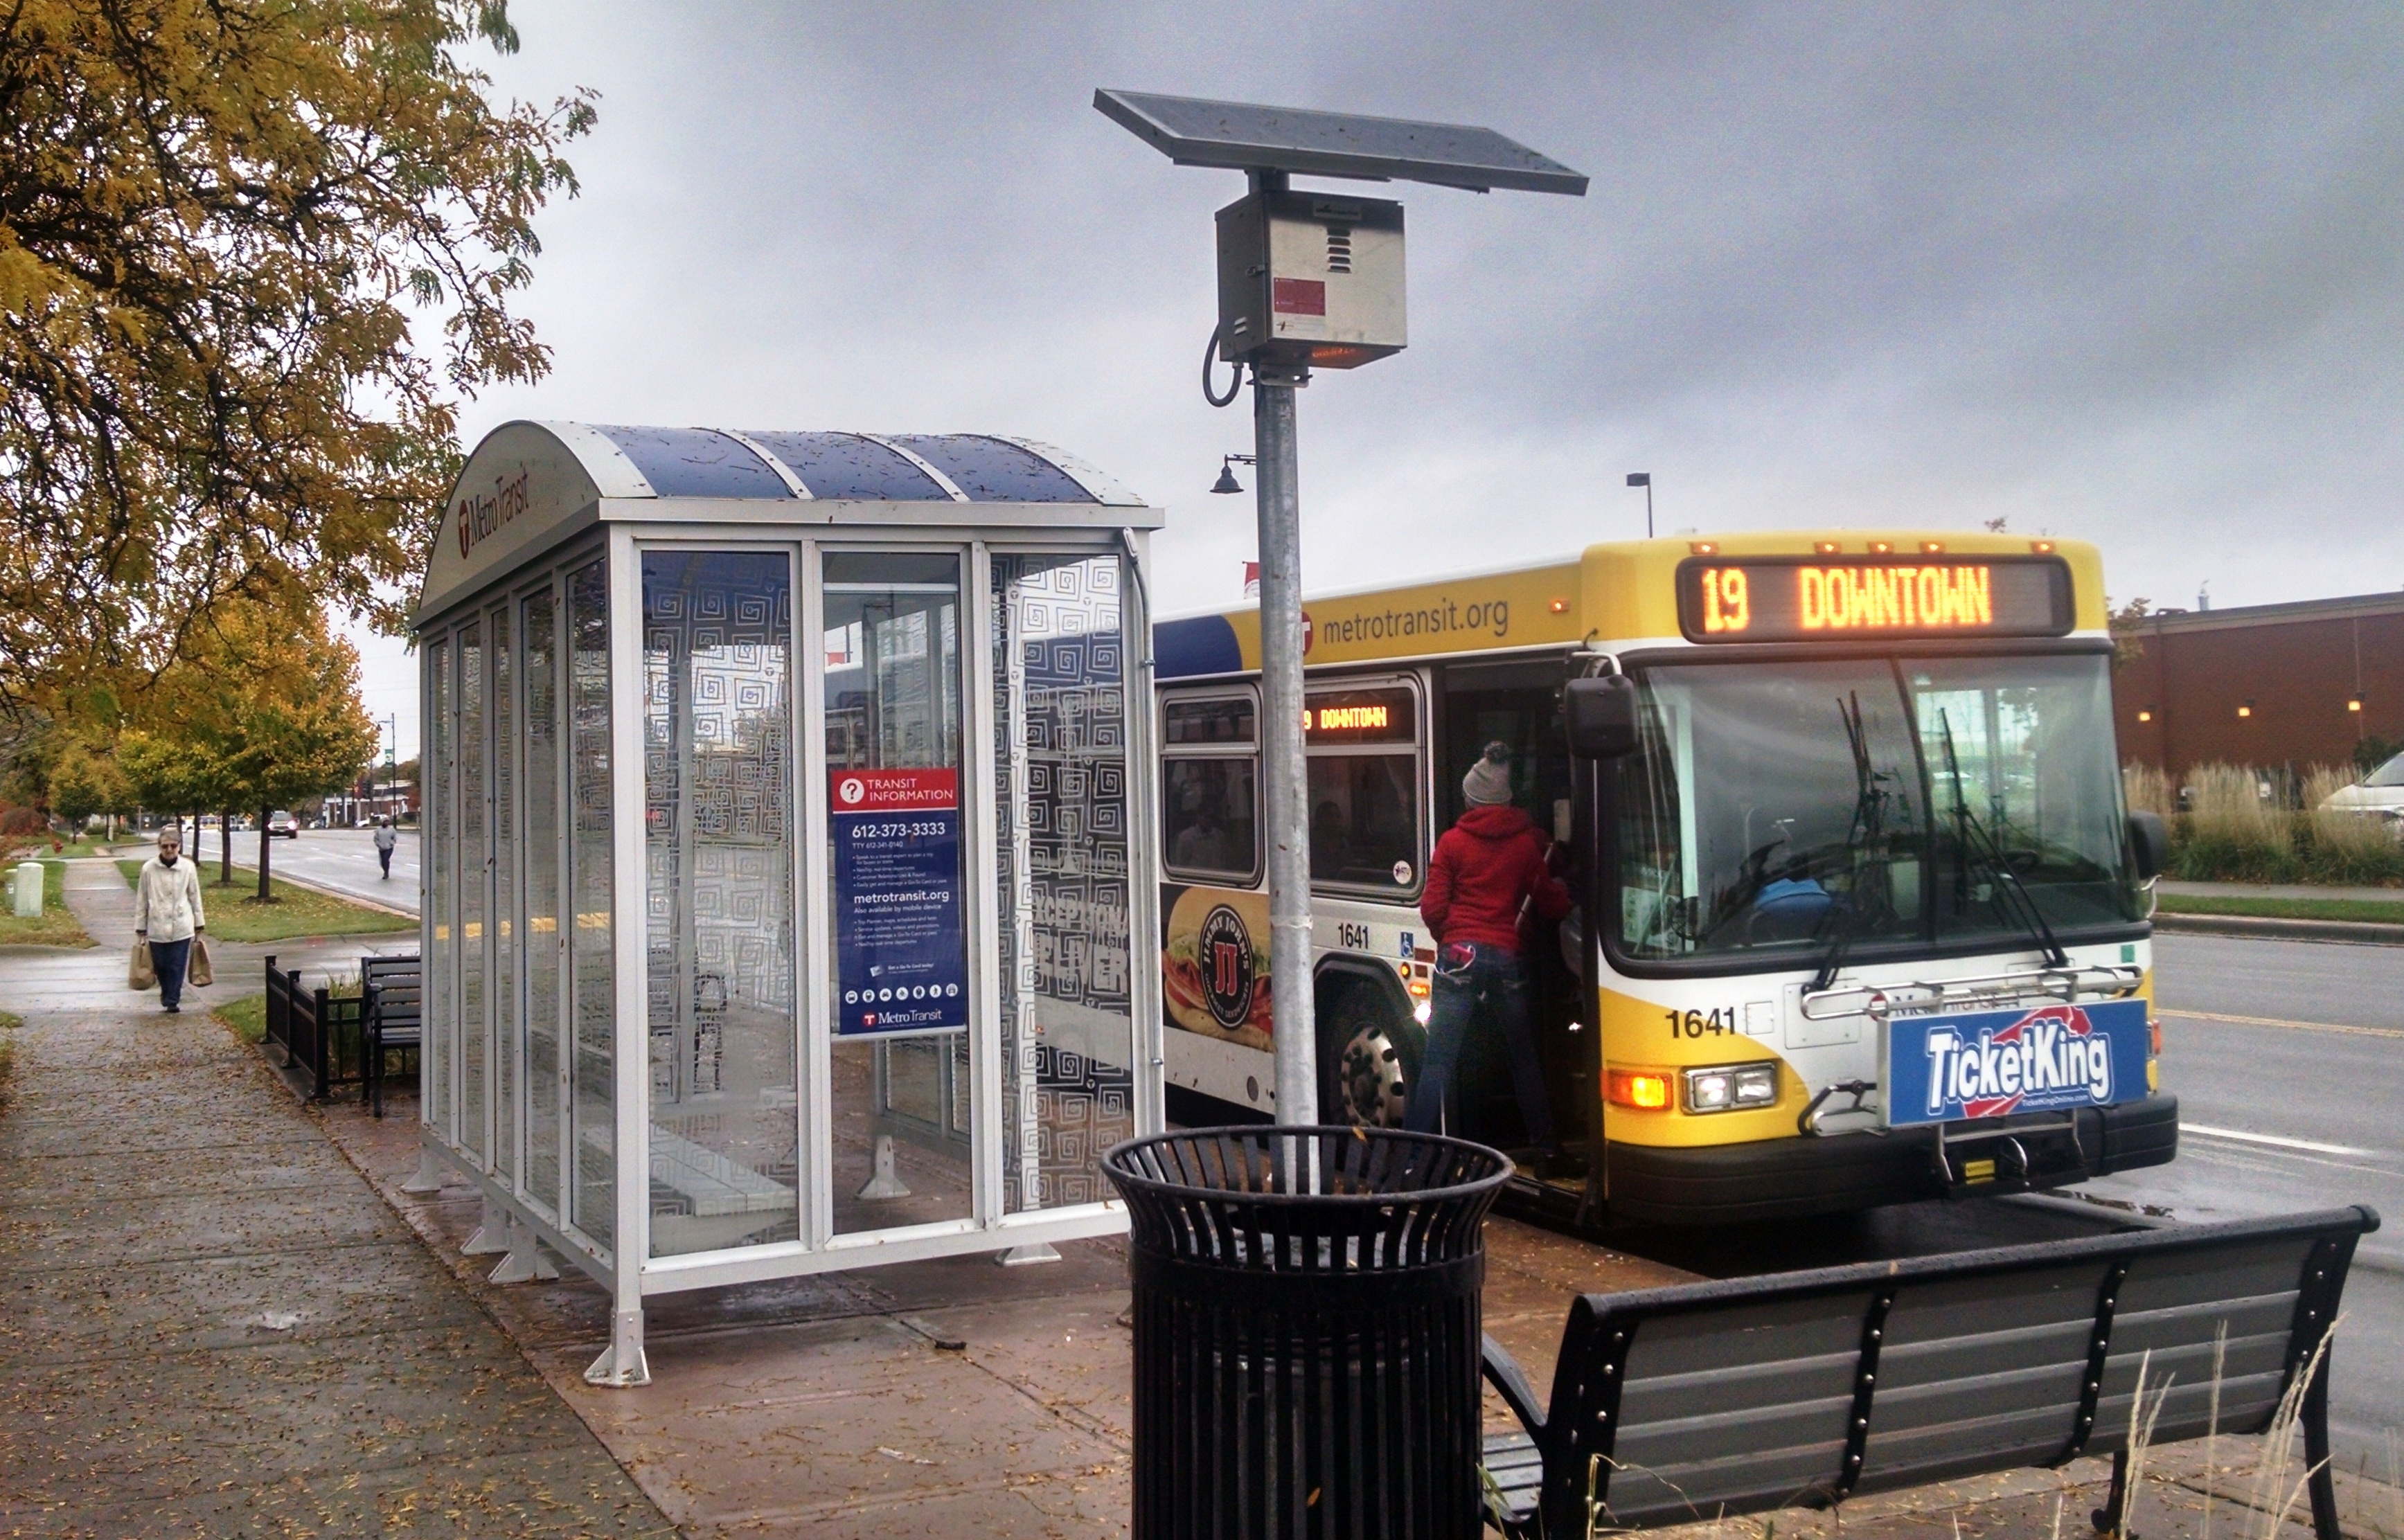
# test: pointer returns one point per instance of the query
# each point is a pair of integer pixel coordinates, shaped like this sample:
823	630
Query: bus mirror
1602	717
2149	844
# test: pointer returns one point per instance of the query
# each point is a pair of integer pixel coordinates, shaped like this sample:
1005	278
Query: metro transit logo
2051	1057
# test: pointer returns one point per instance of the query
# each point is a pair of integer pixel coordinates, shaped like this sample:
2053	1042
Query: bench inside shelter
1691	1402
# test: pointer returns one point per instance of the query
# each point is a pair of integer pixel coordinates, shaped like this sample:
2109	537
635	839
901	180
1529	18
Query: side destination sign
1788	599
1992	1063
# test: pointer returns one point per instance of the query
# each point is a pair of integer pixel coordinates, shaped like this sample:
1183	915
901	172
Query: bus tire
1369	1058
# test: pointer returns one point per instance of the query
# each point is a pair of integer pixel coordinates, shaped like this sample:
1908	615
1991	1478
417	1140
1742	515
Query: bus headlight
1726	1088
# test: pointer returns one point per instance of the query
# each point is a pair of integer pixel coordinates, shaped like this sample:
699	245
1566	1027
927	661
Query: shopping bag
139	974
198	975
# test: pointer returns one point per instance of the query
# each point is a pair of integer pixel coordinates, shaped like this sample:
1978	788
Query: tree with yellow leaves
219	220
260	712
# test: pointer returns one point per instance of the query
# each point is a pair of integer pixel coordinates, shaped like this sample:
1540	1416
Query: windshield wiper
1868	830
1974	837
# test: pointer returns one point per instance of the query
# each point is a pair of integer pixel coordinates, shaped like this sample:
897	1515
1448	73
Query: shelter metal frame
621	531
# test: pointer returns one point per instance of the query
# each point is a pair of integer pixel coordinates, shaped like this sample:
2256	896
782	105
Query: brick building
2264	684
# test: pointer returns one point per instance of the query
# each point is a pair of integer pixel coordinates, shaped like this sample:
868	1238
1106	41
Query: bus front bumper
1778	1178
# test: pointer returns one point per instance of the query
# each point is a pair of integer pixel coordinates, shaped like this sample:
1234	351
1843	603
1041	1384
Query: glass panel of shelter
720	933
1063	829
901	1000
545	1077
520	1073
475	878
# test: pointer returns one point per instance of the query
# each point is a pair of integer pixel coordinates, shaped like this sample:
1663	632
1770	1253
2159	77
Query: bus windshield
1779	810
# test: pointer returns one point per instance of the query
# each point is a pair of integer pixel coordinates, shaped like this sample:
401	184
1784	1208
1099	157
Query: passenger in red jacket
1487	878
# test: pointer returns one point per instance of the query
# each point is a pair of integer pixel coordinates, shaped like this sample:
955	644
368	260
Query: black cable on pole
1209	356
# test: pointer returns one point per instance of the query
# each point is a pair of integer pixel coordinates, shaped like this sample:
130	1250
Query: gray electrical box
1310	278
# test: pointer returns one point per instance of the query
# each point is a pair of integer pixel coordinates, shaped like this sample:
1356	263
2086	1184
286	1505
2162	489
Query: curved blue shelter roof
961	468
529	483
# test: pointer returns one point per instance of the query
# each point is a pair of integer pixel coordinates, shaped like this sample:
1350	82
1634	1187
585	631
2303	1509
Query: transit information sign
1787	599
902	956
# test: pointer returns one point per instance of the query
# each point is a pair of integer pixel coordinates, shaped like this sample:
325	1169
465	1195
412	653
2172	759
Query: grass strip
235	913
2374	910
246	1018
57	927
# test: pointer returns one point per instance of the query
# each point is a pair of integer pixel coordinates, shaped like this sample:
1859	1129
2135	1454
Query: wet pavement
220	1315
209	1322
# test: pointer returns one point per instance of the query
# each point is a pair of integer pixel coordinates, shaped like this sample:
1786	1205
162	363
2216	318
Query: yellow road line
2274	1021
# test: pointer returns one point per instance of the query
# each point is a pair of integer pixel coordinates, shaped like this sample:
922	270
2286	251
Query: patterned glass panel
545	1081
718	852
475	877
441	840
1067	1014
509	1045
592	1107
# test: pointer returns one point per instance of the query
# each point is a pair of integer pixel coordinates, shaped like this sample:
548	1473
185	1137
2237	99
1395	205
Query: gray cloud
2128	273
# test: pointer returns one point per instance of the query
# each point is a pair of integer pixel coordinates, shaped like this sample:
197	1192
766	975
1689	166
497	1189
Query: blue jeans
1477	984
167	960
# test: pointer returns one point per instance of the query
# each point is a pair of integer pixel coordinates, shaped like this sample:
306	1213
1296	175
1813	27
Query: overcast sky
2128	273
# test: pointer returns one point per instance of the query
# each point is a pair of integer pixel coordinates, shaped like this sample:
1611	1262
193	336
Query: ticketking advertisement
902	956
1941	1069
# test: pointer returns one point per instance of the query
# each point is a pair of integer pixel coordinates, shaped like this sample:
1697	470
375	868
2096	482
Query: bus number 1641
1696	1023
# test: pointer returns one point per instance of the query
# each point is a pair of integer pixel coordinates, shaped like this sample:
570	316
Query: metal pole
1284	763
1648	508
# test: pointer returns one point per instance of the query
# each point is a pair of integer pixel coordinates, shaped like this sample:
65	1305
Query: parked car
283	825
2378	794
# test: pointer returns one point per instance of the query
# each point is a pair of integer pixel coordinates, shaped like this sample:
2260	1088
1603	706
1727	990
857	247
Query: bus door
1519	703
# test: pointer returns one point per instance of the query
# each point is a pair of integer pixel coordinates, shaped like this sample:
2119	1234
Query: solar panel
1243	136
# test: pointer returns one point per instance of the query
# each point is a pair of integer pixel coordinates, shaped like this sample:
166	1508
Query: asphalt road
342	859
2280	1111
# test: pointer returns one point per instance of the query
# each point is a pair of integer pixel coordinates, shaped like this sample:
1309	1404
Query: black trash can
1306	1351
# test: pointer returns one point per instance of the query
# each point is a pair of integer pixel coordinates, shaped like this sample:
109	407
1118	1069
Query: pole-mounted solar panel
1243	136
1307	280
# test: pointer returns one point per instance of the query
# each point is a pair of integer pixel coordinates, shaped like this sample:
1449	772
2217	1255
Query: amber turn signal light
1647	1090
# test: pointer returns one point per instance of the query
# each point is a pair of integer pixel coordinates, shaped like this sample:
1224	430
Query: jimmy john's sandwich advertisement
1215	963
901	949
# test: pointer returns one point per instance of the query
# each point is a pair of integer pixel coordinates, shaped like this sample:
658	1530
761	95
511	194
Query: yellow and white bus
1873	916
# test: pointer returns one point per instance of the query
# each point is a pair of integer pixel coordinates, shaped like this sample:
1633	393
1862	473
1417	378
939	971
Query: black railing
314	1032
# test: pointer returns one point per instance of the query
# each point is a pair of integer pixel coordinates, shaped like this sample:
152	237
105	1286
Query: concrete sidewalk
211	1324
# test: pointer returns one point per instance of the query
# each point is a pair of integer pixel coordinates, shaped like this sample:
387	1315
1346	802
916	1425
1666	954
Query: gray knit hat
1488	780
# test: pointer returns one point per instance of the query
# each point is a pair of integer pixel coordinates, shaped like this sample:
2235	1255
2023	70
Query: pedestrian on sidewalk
167	914
385	838
1488	873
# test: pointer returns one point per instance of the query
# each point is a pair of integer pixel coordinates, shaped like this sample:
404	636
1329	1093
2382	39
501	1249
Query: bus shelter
788	831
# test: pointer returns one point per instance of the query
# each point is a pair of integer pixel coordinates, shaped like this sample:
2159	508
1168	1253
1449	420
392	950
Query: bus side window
1207	817
1209	788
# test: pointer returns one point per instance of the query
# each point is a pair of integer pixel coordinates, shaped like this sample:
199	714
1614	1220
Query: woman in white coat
167	914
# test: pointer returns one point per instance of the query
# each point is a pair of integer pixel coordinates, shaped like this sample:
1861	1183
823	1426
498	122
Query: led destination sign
1360	716
1774	600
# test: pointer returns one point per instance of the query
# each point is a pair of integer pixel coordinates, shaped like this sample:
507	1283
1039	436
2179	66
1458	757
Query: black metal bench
392	989
1803	1389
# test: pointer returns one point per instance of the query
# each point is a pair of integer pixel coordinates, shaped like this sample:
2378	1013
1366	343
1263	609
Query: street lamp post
1307	280
1645	478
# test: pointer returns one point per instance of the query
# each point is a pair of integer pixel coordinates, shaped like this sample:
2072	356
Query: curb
2356	932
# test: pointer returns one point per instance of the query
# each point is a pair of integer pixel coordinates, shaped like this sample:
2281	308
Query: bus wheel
1367	1061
